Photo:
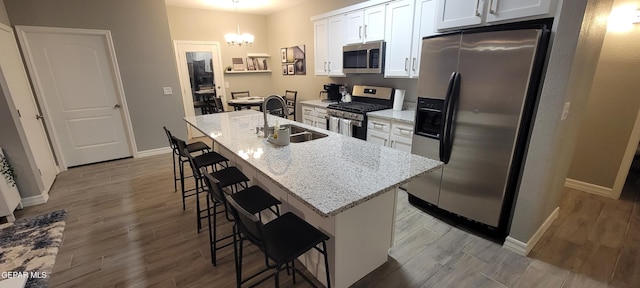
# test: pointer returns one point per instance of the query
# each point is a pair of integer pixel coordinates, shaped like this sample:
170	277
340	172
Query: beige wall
207	25
143	47
4	17
571	65
612	109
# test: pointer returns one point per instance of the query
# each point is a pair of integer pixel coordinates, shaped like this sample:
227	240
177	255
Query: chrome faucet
265	128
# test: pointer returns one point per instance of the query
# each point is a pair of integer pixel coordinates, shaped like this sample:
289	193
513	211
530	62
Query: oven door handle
356	123
449	112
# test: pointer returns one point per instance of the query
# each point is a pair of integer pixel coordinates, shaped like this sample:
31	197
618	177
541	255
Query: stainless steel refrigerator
477	92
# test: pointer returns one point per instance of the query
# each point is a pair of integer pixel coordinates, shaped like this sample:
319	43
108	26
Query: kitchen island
344	186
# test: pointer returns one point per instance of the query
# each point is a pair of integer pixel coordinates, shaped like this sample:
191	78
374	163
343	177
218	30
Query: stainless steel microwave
363	58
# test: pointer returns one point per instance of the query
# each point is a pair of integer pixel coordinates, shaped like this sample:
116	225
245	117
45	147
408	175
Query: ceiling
260	7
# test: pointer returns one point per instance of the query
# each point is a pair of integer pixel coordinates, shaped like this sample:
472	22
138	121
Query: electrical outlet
167	90
565	111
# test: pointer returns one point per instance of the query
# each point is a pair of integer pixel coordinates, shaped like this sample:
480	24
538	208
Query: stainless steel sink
300	134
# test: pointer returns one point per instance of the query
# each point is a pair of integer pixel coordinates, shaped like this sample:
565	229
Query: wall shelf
247	72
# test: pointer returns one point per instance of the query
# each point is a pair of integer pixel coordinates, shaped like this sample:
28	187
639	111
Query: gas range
354	110
365	99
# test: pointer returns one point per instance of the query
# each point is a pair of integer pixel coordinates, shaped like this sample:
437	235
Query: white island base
360	236
344	186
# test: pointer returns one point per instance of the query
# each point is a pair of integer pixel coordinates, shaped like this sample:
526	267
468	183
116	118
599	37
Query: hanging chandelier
237	38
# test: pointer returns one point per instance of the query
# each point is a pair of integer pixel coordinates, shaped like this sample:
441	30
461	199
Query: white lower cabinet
389	133
314	116
401	136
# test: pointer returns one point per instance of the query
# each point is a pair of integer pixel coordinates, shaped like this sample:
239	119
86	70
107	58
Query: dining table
249	102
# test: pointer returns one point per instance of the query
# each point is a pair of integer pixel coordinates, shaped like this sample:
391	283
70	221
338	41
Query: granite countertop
406	116
318	103
330	174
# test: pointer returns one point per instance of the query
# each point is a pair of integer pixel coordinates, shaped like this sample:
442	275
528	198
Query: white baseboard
36	200
153	152
515	245
589	188
522	248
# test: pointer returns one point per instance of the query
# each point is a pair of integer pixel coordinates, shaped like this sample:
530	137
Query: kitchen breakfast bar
344	186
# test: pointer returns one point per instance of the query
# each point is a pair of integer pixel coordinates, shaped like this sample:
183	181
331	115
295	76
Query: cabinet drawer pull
378	125
478	8
404	131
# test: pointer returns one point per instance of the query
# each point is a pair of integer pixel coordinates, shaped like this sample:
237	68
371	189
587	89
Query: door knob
39	117
117	106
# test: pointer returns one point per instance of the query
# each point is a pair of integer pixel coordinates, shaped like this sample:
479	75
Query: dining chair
291	97
239	94
282	240
274	107
219	107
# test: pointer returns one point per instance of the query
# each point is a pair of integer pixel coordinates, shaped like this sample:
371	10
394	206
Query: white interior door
15	84
76	78
199	66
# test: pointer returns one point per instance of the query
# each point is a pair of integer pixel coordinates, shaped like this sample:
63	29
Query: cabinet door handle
406	61
360	32
413	64
478	8
329	66
392	144
365	30
492	9
324	67
385	142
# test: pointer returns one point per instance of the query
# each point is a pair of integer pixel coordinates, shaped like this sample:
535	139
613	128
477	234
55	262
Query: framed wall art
293	58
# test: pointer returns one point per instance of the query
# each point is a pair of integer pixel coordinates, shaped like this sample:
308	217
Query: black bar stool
282	240
254	198
192	147
209	159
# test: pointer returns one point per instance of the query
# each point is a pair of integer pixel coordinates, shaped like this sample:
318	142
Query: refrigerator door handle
443	127
452	107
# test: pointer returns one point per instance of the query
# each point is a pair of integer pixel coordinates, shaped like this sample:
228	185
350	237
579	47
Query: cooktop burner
358	107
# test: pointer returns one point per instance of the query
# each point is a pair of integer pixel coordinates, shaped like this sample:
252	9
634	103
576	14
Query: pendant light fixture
237	38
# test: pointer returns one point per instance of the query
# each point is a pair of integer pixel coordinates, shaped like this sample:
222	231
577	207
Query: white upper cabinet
399	38
365	25
329	39
457	13
320	46
498	10
406	25
424	25
461	13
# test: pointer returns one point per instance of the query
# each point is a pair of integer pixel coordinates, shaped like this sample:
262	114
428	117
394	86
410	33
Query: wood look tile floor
597	236
126	228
